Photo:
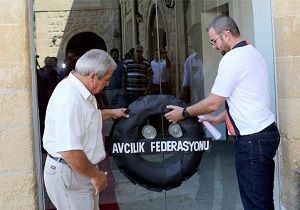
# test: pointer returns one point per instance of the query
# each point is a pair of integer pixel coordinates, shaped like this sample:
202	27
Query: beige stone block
44	5
16	107
292	43
289	119
290	199
14	51
16	151
290	150
41	22
290	160
292	7
15	78
17	191
292	23
280	8
56	5
294	78
279	37
283	65
288	77
13	12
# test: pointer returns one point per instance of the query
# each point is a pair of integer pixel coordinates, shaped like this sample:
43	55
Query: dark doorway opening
82	42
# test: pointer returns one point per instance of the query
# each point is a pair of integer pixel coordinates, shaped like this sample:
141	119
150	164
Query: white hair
94	61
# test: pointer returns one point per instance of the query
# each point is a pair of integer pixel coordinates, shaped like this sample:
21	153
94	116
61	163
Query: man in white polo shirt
160	66
242	85
73	137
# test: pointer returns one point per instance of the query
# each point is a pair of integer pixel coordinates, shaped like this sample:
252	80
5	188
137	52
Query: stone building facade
56	23
146	29
18	109
17	169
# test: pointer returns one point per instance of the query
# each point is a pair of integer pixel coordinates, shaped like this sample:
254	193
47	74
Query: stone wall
17	174
287	33
56	24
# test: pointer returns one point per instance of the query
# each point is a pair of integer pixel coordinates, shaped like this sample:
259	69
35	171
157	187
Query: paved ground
213	187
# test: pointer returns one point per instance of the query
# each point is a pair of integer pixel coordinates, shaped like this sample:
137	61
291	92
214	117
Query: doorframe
35	116
263	16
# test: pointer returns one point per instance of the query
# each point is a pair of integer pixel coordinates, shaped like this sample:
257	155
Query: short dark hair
114	50
139	48
224	23
48	57
54	58
131	51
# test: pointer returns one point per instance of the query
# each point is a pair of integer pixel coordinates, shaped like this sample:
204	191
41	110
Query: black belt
60	160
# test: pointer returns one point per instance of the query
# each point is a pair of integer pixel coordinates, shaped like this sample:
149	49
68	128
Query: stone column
17	176
287	33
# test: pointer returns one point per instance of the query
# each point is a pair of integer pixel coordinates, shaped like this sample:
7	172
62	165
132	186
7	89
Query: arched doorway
82	42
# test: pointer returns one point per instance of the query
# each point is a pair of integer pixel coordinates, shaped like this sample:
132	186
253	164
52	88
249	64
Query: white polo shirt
73	121
160	73
193	76
243	79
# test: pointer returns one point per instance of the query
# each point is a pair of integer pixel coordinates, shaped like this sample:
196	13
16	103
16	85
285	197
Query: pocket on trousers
268	148
50	169
66	176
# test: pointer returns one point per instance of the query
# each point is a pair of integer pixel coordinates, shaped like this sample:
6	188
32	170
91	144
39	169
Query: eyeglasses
213	41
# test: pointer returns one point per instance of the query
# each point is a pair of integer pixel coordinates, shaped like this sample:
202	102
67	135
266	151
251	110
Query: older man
242	85
73	137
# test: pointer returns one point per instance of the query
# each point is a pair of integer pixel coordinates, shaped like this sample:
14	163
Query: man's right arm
78	161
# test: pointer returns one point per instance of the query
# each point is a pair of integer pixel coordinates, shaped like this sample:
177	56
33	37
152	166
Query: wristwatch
185	114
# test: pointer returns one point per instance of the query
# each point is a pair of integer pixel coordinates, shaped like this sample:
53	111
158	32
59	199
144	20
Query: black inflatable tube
173	170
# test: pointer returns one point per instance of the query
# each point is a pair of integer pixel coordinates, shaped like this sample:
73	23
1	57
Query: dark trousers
165	88
255	168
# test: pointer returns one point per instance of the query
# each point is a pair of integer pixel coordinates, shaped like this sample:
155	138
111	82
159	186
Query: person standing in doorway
55	65
192	89
160	66
73	136
137	76
46	82
114	91
242	85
